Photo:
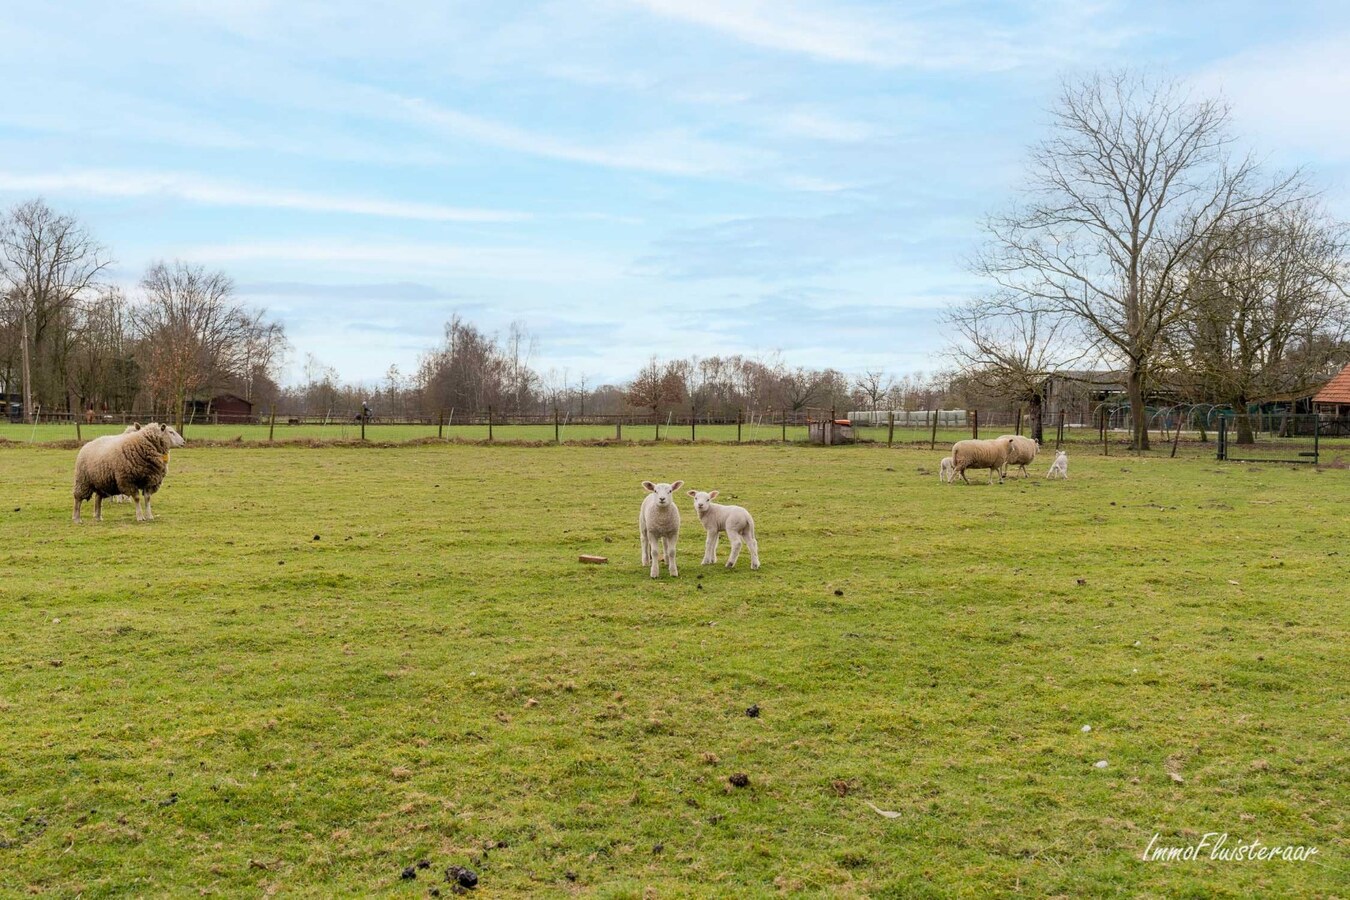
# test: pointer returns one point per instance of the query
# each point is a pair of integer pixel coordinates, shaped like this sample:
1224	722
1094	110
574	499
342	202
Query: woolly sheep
945	469
659	526
973	454
175	440
1023	451
130	463
1060	467
736	521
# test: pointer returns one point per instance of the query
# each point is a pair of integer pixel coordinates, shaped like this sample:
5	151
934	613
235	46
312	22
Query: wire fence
1178	430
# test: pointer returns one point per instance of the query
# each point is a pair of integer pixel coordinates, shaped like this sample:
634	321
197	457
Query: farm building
830	431
222	408
1333	401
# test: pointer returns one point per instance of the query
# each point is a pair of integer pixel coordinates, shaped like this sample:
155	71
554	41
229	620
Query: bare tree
799	387
656	386
874	384
1010	347
1133	181
193	332
1268	312
51	263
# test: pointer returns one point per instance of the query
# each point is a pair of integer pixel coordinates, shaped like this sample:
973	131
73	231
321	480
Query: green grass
219	702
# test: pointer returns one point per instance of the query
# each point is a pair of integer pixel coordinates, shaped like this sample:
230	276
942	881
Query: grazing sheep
736	521
1023	452
659	526
945	469
1060	467
130	463
972	454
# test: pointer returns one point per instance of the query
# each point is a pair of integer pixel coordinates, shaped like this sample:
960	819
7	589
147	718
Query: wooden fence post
890	428
693	427
975	424
271	423
618	429
440	424
77	429
739	413
363	424
1106	446
557	434
782	414
932	440
1018	432
489	423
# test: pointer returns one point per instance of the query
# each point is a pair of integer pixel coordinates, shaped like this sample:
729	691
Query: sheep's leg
710	547
98	507
736	542
148	514
76	517
754	548
962	473
652	556
642	539
671	567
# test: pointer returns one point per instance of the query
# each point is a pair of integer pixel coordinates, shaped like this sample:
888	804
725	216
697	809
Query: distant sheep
945	469
736	521
973	454
1022	453
659	526
1060	467
131	463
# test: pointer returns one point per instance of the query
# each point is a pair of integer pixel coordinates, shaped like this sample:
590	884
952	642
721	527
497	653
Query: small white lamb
736	521
1060	467
659	526
945	469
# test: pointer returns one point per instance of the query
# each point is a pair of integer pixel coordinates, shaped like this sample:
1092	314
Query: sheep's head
175	439
664	492
1061	455
703	500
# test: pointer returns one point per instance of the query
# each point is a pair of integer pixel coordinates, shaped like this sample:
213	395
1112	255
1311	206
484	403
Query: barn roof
1337	389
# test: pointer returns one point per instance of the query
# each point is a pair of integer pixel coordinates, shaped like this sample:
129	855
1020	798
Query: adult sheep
1023	451
132	463
175	440
972	454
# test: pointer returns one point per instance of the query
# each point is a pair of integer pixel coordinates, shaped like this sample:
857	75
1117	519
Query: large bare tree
194	334
1133	181
51	264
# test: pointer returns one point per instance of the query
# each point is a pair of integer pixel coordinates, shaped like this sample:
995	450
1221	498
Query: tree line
73	343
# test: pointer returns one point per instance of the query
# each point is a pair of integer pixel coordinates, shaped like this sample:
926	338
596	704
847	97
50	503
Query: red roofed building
1334	399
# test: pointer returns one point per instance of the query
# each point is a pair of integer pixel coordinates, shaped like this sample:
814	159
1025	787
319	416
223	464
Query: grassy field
320	666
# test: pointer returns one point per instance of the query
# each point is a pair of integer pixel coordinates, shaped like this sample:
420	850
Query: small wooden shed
228	409
830	431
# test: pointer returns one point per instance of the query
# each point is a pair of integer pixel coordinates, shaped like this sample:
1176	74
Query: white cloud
112	183
669	152
823	127
505	263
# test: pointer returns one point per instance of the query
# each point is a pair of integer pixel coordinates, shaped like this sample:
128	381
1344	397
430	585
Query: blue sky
626	177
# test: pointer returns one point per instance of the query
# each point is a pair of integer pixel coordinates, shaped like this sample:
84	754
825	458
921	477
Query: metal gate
1298	441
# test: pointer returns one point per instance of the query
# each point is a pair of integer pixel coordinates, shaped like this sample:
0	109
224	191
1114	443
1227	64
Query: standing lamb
973	454
131	463
1060	467
945	469
659	526
1023	451
736	521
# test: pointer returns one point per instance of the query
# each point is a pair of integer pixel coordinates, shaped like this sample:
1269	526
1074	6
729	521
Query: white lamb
945	469
1060	467
659	526
736	521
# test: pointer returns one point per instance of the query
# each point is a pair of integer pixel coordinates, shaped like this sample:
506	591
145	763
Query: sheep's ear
692	493
136	425
677	485
649	486
163	427
712	495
